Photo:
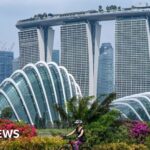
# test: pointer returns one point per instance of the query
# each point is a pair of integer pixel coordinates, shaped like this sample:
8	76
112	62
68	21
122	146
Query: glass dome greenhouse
34	90
135	107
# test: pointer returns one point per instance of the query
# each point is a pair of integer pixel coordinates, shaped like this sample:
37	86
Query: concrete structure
33	91
35	44
105	83
90	15
79	53
6	64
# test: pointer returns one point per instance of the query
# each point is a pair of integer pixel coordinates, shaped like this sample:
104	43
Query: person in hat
79	131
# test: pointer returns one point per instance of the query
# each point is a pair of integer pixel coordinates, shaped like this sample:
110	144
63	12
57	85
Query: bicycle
70	145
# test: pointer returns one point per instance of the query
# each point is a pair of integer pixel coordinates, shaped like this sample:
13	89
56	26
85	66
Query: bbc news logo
9	134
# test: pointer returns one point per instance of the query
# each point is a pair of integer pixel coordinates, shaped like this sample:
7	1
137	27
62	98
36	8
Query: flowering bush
139	130
25	130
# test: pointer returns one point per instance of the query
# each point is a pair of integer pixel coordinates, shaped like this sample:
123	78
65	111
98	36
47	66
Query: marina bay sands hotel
80	42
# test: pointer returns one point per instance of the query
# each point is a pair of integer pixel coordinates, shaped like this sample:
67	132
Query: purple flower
139	130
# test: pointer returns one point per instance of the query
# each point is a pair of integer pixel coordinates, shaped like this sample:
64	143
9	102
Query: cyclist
79	131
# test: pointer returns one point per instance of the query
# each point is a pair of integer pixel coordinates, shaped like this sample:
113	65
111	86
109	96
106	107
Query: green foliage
120	146
53	132
120	134
7	113
78	108
36	143
147	142
102	130
40	123
85	108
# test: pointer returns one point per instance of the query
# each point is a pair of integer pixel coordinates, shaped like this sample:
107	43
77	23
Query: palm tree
85	108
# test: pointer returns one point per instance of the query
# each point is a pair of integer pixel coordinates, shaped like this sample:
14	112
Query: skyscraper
105	83
6	58
16	64
56	56
132	56
35	44
79	53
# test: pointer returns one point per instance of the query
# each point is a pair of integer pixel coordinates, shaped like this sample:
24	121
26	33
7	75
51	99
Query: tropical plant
7	113
85	108
40	123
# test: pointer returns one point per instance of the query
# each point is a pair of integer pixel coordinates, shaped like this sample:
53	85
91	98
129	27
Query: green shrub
147	142
120	146
53	132
35	143
103	130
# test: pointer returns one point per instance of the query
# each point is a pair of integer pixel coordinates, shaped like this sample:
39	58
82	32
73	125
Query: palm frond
62	112
108	99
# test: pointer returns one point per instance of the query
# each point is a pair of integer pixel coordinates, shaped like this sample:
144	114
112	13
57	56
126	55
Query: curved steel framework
18	72
62	75
138	104
10	103
65	72
59	77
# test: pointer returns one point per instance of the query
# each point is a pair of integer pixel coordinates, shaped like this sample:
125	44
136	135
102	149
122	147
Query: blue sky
13	10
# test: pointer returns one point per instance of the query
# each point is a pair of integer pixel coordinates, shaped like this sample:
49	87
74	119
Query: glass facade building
16	63
132	56
134	107
34	90
6	64
105	83
79	53
56	56
35	44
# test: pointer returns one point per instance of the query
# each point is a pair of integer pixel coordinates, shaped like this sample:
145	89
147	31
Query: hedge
34	143
120	146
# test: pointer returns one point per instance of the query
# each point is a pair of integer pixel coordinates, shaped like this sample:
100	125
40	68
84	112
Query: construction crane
3	46
11	47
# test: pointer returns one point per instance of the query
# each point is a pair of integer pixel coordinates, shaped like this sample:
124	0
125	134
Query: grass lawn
53	132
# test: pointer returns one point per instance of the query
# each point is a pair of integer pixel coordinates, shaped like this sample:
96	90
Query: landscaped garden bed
104	130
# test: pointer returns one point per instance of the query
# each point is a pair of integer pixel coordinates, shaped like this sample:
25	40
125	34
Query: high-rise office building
16	64
105	83
79	53
56	56
6	59
35	44
132	56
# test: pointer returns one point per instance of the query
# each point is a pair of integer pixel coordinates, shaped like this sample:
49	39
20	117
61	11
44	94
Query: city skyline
80	41
13	11
79	37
